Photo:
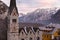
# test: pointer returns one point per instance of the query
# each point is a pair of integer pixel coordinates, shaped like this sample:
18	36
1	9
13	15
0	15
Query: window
14	14
22	32
22	39
58	33
30	38
14	20
38	38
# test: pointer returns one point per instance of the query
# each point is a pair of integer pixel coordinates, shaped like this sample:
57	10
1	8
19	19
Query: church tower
13	21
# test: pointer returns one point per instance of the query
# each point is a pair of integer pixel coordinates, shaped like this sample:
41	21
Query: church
11	29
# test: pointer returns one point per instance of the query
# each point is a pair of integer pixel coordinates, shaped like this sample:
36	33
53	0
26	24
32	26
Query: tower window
14	20
38	38
22	39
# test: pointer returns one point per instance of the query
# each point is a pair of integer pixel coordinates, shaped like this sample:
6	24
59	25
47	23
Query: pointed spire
13	3
12	6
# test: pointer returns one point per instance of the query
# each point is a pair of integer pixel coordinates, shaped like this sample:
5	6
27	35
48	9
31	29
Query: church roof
3	7
2	3
12	6
21	30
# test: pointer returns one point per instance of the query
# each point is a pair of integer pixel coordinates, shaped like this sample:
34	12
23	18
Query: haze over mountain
43	16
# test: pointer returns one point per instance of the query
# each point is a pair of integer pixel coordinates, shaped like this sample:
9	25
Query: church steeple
13	21
12	6
13	3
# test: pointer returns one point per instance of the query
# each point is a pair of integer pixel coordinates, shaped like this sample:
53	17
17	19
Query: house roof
34	28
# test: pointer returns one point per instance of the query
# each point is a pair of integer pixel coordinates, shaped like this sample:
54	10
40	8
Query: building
3	21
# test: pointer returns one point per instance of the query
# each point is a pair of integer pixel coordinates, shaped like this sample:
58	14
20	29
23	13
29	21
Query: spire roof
12	6
13	3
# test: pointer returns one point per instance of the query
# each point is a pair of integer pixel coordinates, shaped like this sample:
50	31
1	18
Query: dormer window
14	20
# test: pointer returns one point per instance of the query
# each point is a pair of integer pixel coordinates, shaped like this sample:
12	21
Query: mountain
56	17
43	16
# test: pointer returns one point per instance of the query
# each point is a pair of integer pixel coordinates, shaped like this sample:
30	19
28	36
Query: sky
25	6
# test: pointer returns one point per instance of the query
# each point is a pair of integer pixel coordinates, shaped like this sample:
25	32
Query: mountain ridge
43	16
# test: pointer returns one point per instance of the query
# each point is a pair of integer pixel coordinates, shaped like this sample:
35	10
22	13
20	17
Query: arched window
38	38
30	38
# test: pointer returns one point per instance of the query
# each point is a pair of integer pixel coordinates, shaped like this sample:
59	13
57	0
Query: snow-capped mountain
43	16
56	17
